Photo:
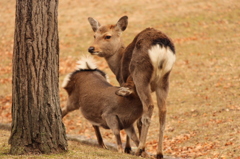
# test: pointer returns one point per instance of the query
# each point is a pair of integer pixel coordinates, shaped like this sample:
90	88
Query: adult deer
147	61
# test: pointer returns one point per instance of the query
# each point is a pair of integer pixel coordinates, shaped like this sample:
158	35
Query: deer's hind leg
144	92
113	124
99	137
69	107
128	148
132	134
161	94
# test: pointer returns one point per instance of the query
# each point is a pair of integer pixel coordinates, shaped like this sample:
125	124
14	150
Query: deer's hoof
145	155
120	150
104	146
124	91
128	150
142	153
138	152
159	156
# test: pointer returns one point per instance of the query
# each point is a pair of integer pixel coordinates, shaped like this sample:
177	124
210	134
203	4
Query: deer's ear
94	24
122	23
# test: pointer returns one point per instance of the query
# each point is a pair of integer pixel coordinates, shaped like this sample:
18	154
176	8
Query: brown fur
96	98
133	64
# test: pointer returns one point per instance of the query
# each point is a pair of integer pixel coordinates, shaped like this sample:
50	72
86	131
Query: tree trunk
36	116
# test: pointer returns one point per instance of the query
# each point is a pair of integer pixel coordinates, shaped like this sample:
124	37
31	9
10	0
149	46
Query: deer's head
107	38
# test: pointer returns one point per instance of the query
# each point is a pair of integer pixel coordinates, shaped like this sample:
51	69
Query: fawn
89	91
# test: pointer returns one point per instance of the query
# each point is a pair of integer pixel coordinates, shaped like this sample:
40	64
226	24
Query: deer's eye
94	37
107	37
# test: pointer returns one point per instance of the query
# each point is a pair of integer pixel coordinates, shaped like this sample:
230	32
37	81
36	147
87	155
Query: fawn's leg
99	137
132	134
128	148
113	124
68	108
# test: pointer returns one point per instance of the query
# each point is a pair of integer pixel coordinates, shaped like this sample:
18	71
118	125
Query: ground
203	105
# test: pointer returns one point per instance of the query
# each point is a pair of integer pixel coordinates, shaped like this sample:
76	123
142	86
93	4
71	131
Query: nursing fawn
89	91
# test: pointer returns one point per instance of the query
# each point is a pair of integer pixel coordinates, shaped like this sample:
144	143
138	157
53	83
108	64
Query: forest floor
203	106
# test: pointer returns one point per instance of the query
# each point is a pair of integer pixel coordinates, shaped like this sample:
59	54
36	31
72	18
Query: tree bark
36	115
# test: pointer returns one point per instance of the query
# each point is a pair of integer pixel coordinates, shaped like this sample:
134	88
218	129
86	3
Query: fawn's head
107	38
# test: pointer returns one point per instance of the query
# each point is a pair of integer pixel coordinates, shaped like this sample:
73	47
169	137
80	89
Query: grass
204	97
76	150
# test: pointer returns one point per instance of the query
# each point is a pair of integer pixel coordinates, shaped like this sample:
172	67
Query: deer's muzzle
91	49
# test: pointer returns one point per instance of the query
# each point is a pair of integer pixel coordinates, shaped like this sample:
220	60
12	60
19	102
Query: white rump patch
161	57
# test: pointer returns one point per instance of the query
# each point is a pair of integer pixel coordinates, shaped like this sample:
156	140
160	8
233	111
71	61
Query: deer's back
97	97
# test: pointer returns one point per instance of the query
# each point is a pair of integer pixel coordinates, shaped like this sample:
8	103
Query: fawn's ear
122	23
94	24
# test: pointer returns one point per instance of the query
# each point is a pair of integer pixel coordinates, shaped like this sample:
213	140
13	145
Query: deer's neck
114	62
